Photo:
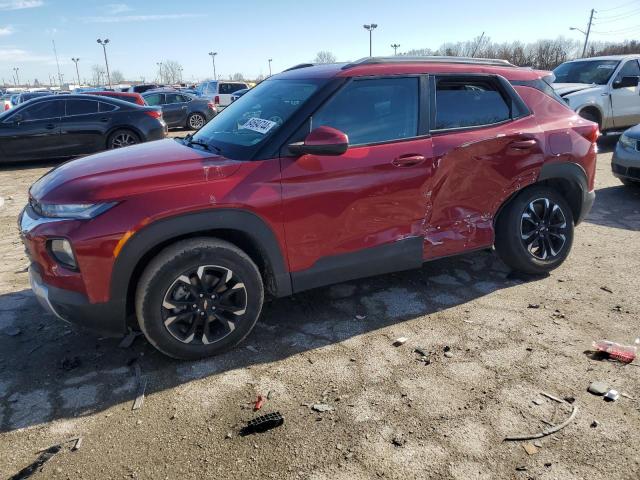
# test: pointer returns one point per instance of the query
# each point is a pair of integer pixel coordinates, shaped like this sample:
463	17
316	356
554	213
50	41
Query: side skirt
405	254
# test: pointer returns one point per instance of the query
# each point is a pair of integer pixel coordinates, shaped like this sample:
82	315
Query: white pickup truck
602	89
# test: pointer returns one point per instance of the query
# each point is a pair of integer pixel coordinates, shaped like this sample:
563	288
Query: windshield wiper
190	141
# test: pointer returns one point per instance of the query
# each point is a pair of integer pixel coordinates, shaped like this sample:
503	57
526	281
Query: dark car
626	157
319	175
181	109
126	96
58	127
143	87
25	97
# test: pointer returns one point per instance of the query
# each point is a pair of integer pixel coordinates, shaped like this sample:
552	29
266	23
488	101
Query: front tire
198	298
534	233
122	138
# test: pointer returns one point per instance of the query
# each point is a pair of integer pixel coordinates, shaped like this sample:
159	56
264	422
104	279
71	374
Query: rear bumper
104	318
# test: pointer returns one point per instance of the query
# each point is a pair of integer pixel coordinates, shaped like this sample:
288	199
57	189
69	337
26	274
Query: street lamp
104	48
15	69
213	60
371	27
76	60
270	60
395	47
159	64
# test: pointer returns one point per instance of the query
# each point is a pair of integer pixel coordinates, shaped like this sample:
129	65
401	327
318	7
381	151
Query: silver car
626	157
602	89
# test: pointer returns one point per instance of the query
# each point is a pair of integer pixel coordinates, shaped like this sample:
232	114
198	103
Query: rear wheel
196	121
534	233
198	298
122	138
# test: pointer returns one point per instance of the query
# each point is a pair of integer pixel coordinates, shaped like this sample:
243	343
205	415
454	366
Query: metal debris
127	341
263	423
360	317
606	289
77	445
552	428
612	395
37	465
142	385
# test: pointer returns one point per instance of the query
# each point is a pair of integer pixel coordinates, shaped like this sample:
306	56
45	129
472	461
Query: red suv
319	175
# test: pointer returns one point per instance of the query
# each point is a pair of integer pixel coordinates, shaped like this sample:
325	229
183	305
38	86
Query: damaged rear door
361	212
487	145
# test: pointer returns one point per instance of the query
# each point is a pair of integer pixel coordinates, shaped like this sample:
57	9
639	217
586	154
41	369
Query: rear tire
534	232
122	138
196	121
198	298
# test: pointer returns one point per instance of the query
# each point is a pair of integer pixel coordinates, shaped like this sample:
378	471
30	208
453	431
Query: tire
196	121
630	183
165	301
529	246
122	138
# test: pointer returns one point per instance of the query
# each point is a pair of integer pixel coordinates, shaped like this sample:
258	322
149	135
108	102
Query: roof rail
429	59
300	65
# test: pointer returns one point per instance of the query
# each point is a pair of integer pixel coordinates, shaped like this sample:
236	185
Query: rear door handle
104	119
408	160
50	126
523	144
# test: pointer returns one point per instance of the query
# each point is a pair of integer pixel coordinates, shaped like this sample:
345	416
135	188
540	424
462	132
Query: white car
602	89
219	91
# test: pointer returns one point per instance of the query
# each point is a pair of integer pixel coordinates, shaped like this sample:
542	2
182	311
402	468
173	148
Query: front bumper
626	163
73	307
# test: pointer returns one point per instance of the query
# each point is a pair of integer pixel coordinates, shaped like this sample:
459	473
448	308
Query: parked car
26	96
319	175
5	102
143	87
602	89
181	109
57	127
238	94
220	91
126	96
625	163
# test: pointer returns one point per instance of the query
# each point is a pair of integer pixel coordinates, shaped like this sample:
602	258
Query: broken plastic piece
612	395
623	353
263	423
551	429
257	405
400	341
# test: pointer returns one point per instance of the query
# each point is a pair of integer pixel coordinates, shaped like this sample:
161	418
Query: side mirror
625	82
322	141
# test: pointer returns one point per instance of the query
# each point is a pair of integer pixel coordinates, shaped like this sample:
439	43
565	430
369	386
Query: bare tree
171	72
325	57
117	77
237	77
97	74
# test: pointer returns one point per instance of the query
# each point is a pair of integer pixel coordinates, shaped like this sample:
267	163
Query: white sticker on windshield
607	67
259	125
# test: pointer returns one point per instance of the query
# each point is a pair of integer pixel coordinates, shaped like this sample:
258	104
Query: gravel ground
392	415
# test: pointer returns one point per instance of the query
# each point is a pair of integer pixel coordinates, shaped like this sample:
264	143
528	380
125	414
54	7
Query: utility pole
76	60
213	60
15	69
270	60
55	52
395	47
104	49
586	38
477	45
370	27
159	64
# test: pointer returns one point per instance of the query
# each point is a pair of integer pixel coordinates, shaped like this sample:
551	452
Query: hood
563	89
633	132
117	174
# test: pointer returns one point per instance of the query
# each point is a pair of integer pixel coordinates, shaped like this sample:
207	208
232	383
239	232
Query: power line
617	32
619	6
619	15
620	19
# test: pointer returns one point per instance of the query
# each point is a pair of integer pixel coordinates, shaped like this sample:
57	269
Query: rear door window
175	98
463	103
81	107
43	110
373	110
107	107
154	99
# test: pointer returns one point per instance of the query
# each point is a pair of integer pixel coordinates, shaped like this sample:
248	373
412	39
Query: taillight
154	113
216	100
6	107
211	105
590	132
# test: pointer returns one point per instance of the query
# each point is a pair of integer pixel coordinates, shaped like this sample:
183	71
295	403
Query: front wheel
198	298
534	233
196	121
122	138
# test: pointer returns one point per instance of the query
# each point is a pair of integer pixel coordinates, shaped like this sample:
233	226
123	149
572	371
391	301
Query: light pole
76	60
159	64
270	60
395	47
213	61
15	69
180	74
586	34
106	62
371	27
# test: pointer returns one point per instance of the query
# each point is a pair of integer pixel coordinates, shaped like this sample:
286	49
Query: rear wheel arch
593	113
241	228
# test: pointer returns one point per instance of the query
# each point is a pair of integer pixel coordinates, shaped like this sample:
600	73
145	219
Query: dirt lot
393	415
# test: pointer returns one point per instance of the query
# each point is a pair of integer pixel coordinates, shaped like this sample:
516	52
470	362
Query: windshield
249	121
595	71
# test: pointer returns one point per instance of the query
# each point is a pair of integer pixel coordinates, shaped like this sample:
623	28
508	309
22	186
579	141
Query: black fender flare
577	177
162	231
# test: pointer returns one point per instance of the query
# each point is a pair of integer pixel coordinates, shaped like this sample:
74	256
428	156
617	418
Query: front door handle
104	119
49	126
409	160
523	144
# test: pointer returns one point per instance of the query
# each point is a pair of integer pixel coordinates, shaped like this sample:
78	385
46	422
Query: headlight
62	252
81	211
628	142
